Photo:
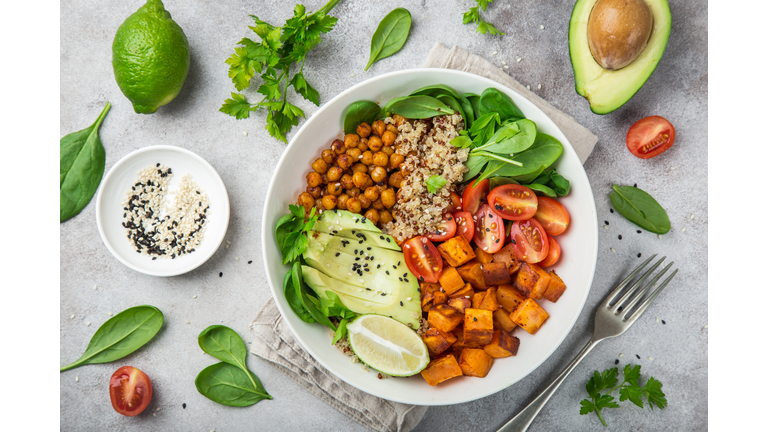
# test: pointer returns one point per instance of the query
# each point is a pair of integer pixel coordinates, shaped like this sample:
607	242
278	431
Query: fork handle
524	419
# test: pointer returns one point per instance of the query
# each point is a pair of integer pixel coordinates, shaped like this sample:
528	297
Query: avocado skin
607	90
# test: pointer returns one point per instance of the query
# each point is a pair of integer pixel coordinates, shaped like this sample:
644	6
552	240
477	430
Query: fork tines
637	291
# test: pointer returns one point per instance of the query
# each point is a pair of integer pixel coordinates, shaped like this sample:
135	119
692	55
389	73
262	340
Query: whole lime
150	57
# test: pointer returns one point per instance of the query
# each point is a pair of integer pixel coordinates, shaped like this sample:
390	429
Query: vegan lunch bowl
417	236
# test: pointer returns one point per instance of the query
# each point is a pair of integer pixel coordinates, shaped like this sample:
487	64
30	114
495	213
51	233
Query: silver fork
611	320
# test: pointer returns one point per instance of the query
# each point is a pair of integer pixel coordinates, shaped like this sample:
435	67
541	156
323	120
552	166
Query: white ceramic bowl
576	266
109	208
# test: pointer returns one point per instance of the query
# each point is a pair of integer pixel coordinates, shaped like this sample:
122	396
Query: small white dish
109	207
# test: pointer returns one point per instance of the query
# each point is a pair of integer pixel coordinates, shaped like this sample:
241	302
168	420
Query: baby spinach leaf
484	127
640	208
469	110
81	166
493	100
543	153
419	107
302	292
390	36
475	164
294	301
360	112
434	90
511	137
540	189
553	180
225	344
499	181
474	100
121	335
230	385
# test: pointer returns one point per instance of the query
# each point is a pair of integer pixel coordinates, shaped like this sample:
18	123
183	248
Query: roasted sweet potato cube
482	256
475	362
440	297
459	344
441	369
456	251
507	256
495	274
438	341
465	292
514	268
501	320
509	297
529	316
556	288
450	280
427	300
431	294
473	273
478	327
444	317
489	301
477	299
426	286
531	281
459	303
502	345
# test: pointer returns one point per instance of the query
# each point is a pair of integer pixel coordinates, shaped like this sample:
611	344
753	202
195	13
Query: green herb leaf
513	137
543	153
360	112
230	385
419	107
303	88
540	189
121	335
628	390
81	166
654	394
434	183
237	107
291	232
294	301
225	344
461	141
492	100
341	331
640	208
484	127
390	36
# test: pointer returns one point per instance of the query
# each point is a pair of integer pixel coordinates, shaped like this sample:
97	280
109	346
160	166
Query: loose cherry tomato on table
455	203
513	202
475	195
552	216
489	230
465	226
530	240
650	136
554	253
130	391
423	259
445	230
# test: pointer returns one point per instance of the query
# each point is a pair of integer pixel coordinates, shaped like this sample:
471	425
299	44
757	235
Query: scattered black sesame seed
497	240
387	272
635	184
158	165
639	232
401	279
421	278
184	406
663	322
338	253
606	222
638	357
475	318
616	362
513	241
378	266
639	255
619	236
250	262
221	274
611	210
401	303
383	294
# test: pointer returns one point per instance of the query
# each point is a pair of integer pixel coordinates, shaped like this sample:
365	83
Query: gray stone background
675	352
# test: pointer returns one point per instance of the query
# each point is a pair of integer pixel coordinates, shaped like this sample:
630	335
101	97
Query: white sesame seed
683	230
692	216
519	58
247	229
613	250
158	409
503	62
605	226
237	258
109	313
194	296
494	53
466	296
187	321
621	355
73	315
154	414
408	298
673	168
528	87
95	287
706	326
351	75
226	246
88	323
541	26
245	133
539	86
506	67
650	358
77	379
229	242
659	236
657	320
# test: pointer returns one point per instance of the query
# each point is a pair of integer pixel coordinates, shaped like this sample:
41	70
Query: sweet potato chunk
450	280
475	362
482	256
459	303
508	297
465	292
473	273
441	369
502	345
501	320
456	251
555	289
489	301
532	281
444	317
459	344
437	341
477	299
431	294
478	327
529	315
495	274
509	258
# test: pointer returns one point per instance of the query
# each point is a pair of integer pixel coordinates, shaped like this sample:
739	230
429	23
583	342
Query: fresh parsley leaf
473	16
291	232
461	141
654	394
629	389
237	107
434	183
634	394
586	407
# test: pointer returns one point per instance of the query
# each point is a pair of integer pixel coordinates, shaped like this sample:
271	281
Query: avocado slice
607	90
374	238
347	219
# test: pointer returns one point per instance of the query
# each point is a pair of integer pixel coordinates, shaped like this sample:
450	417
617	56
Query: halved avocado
607	90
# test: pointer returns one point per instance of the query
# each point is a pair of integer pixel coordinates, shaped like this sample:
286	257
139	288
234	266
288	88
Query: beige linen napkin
275	342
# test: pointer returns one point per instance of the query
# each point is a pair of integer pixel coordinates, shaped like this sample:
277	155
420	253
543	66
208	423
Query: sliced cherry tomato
130	391
554	253
513	202
423	259
552	216
489	230
650	136
445	230
530	240
465	226
455	203
475	196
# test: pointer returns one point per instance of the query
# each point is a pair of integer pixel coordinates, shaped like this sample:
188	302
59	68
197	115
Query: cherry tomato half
489	230
455	203
445	230
650	136
475	195
554	253
465	226
513	202
130	391
552	216
530	240
423	259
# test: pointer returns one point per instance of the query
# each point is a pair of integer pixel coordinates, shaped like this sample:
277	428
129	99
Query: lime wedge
387	345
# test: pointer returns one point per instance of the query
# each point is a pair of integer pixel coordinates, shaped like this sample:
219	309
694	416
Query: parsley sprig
473	16
291	232
434	183
272	58
630	389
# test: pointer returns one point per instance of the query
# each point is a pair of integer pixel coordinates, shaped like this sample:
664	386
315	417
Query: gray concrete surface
678	179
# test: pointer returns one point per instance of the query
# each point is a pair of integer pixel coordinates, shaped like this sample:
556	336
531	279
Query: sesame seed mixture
160	230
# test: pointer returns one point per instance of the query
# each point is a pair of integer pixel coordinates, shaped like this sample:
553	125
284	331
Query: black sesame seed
221	274
513	241
158	165
387	272
619	236
611	210
663	322
388	241
638	357
497	240
475	318
378	266
639	232
184	406
383	294
249	262
606	222
635	184
401	303
401	279
421	278
639	255
616	362
338	253
381	237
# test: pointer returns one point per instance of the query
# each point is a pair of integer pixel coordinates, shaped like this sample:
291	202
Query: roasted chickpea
358	167
363	146
395	160
315	191
338	147
354	192
334	173
399	120
405	172
314	179
344	161
378	205
346	181
378	128
391	128
341	201
360	179
364	202
329	202
373	216
328	156
353	205
388	150
379	174
372	193
388	198
354	153
318	204
388	138
385	217
367	158
320	166
333	189
364	129
375	143
381	159
351	140
306	200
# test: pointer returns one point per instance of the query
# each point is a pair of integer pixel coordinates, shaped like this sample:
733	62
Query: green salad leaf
640	208
291	232
390	35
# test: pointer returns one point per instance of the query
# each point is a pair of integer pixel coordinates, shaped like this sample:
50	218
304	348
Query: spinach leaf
225	344
484	127
543	153
302	292
341	331
475	164
454	104
493	100
542	190
512	137
121	335
297	306
469	110
640	208
499	181
474	100
230	385
461	141
553	180
291	232
81	166
435	90
360	112
419	107
390	36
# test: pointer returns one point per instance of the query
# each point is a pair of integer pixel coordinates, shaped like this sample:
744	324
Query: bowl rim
266	232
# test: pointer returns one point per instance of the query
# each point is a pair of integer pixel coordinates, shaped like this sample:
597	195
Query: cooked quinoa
425	144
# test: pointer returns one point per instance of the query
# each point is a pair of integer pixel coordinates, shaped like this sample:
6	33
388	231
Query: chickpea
373	216
378	205
388	198
372	193
318	204
399	120
359	167
388	138
334	173
379	174
351	140
378	128
320	166
329	202
353	192
353	205
363	146
367	158
344	161
346	181
306	200
405	172
385	217
315	191
364	202
395	160
328	156
360	179
375	143
354	153
364	129
333	189
381	159
314	179
388	150
341	201
338	147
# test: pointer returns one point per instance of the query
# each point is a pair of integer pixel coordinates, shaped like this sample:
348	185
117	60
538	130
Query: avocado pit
618	31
